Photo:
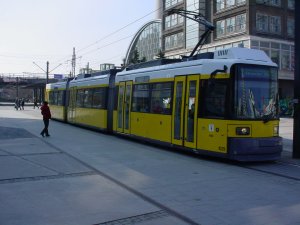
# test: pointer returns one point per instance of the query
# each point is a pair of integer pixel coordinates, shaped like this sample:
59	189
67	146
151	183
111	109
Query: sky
36	31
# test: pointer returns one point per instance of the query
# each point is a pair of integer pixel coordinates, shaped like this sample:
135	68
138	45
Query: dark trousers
46	125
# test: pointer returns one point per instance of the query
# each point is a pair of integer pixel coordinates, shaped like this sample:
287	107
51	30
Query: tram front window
256	92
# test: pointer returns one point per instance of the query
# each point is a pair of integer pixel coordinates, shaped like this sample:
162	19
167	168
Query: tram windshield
256	92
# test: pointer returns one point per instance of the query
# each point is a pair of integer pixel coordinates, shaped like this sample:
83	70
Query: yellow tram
223	104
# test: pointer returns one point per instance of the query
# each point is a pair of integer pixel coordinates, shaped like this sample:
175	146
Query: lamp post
296	133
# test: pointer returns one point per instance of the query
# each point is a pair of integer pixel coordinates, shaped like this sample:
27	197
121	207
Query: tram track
277	168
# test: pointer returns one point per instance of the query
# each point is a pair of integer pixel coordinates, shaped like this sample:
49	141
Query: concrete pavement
82	177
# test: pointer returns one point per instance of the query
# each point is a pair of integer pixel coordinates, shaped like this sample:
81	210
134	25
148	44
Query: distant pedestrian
22	103
17	104
45	111
35	103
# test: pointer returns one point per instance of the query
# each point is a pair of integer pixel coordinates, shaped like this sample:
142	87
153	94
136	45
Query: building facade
261	24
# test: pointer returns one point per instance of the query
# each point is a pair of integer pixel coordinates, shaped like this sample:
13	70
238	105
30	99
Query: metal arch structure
136	37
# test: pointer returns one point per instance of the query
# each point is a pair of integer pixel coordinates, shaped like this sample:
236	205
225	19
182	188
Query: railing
28	75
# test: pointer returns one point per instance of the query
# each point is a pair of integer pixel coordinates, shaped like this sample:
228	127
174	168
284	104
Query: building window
275	56
285	60
281	54
240	2
266	23
233	25
225	4
269	2
241	23
264	44
275	45
275	24
169	3
291	27
275	2
174	41
173	21
292	60
192	27
230	3
291	4
262	22
220	5
220	28
230	25
254	44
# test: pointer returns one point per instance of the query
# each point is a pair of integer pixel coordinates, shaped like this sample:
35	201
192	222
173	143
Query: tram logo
211	127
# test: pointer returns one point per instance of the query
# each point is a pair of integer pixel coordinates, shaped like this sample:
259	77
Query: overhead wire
118	30
113	33
64	60
107	36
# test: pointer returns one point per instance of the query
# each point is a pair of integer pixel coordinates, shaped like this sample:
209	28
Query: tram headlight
242	130
276	130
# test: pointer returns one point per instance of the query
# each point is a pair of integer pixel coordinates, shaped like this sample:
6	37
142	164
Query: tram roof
101	79
222	57
196	65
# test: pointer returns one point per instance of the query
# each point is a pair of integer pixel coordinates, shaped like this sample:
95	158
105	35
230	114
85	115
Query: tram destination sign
58	76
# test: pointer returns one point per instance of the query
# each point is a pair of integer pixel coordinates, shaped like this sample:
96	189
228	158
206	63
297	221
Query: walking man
45	111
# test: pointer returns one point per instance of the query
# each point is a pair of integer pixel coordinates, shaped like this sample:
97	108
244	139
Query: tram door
72	105
185	106
124	106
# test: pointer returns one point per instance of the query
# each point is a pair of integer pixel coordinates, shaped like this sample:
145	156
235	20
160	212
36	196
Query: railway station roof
147	41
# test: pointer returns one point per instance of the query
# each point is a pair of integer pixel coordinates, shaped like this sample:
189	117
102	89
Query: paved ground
83	177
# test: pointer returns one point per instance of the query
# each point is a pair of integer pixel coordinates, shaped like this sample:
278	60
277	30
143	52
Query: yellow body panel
153	126
57	111
91	117
212	135
47	93
115	113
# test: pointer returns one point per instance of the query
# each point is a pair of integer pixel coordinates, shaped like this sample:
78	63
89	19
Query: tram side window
79	98
99	98
116	93
51	98
55	94
140	101
87	98
60	97
213	98
161	96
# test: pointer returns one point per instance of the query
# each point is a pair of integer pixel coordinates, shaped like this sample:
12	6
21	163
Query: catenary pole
296	132
47	73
